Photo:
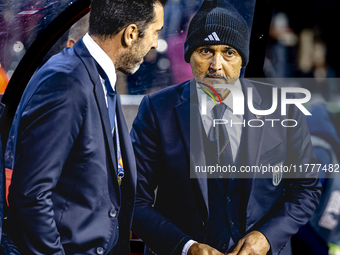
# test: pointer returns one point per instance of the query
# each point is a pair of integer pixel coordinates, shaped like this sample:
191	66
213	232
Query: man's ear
70	42
130	35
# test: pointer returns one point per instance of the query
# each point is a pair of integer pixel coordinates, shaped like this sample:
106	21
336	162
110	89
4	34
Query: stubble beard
131	61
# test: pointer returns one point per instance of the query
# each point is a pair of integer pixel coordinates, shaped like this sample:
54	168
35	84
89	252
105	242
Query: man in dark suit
175	143
69	145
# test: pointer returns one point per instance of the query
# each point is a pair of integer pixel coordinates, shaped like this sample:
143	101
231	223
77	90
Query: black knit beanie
217	22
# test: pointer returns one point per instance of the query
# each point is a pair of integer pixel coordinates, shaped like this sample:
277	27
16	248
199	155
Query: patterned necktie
112	101
218	135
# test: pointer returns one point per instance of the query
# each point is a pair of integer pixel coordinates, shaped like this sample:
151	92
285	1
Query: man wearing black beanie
192	145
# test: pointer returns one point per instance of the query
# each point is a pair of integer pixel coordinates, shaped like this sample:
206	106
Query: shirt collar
210	102
102	59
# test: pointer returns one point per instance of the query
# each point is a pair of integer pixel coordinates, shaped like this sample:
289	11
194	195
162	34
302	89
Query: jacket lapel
190	123
252	138
129	162
91	67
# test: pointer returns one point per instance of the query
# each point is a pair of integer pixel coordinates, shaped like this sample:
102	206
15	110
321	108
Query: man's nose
154	43
216	62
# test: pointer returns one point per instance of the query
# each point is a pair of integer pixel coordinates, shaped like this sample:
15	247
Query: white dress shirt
103	60
234	131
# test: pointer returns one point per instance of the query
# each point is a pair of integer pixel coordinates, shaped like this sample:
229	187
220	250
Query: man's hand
255	243
202	249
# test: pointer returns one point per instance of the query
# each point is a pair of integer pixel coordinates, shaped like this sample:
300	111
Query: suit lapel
129	163
190	123
252	138
91	67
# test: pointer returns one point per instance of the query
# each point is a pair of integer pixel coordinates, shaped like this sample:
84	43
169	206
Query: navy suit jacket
64	197
167	151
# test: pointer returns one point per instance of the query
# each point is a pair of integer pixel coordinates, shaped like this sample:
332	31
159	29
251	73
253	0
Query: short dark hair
109	17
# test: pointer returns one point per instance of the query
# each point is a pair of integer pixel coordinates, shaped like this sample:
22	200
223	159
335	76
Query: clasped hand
254	243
